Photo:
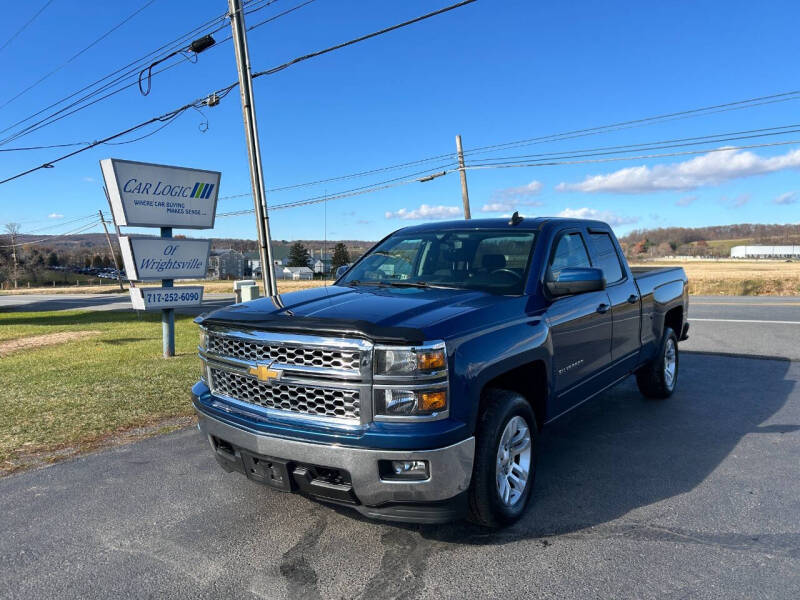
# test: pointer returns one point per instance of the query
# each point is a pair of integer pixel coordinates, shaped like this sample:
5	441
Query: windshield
491	261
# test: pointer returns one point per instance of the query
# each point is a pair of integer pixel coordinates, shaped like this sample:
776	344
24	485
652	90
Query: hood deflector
316	326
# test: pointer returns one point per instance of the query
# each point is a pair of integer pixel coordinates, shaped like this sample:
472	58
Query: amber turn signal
431	361
433	401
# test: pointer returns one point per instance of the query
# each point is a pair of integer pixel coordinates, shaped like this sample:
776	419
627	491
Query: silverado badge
265	373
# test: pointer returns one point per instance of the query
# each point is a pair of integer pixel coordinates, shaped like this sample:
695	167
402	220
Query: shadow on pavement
621	451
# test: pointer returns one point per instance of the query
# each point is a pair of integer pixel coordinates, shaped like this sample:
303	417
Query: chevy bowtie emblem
265	373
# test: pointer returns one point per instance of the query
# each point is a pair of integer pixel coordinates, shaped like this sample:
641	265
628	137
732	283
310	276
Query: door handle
603	308
633	299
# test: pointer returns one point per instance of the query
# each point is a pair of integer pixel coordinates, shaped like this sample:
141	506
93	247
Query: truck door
580	326
624	296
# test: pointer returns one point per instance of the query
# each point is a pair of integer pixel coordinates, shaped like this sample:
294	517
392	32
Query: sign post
167	314
163	196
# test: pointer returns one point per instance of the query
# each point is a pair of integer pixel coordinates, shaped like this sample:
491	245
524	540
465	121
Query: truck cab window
487	260
608	259
570	251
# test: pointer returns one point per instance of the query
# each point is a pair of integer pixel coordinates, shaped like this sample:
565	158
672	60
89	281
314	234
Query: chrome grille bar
320	377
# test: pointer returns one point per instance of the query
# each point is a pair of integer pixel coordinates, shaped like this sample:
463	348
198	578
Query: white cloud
519	192
599	215
509	198
685	201
707	169
55	216
89	179
426	212
787	198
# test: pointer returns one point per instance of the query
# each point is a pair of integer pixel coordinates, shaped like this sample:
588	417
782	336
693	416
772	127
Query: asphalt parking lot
694	497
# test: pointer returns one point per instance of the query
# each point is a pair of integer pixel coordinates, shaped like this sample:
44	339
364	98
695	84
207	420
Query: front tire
505	459
659	378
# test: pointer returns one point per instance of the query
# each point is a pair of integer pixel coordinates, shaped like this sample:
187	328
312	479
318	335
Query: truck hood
383	314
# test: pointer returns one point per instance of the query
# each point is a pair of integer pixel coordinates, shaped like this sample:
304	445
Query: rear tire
505	459
659	378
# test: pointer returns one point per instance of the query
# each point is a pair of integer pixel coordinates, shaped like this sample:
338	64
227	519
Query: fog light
404	469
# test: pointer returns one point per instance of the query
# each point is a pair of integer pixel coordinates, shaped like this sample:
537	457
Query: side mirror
341	270
575	280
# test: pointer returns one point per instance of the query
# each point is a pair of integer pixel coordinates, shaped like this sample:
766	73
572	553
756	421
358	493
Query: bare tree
13	232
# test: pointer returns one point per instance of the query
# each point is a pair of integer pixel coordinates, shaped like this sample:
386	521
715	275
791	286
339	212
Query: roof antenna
515	218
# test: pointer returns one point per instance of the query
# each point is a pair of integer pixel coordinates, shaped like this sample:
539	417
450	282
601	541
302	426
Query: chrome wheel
513	461
670	363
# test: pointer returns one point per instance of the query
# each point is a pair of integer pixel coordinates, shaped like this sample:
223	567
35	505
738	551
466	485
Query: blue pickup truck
414	388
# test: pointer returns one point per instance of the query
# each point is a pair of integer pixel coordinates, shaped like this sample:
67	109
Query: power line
639	157
703	111
51	238
132	66
176	47
357	40
25	26
221	93
77	54
711	138
43	147
59	224
679	142
394	183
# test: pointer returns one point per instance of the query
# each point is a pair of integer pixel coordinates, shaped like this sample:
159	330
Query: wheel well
530	381
674	319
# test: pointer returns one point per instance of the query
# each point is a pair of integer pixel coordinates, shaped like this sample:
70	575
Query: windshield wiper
420	284
357	282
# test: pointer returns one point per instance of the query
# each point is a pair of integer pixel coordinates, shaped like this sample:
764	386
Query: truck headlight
203	338
400	402
424	360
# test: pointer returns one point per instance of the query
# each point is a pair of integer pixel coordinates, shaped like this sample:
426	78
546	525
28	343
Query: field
706	277
211	287
73	381
738	278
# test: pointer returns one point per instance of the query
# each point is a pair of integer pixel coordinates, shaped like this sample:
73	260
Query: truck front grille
303	356
324	402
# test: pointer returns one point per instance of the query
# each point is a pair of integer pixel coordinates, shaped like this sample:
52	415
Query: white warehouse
765	251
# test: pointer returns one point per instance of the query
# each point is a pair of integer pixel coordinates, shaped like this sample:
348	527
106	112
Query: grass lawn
74	395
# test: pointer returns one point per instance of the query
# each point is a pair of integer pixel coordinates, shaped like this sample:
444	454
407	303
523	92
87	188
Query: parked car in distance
414	388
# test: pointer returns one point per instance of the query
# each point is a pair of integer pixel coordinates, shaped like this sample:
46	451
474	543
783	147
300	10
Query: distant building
792	251
297	273
226	264
322	265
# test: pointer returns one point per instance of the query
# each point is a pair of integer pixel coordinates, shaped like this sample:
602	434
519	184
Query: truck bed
642	272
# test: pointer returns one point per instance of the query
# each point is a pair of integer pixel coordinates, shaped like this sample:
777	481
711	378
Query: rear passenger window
608	259
570	251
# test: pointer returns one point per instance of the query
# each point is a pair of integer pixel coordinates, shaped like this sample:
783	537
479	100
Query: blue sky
492	71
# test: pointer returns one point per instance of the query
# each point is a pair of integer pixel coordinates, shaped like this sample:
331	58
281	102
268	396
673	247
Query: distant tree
87	261
97	261
52	259
298	255
664	249
340	256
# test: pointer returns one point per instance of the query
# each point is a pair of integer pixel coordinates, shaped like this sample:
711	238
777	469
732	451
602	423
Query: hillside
715	240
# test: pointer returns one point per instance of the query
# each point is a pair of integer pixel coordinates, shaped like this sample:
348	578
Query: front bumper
438	498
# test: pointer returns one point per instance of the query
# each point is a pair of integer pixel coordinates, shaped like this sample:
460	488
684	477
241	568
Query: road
693	497
112	301
756	325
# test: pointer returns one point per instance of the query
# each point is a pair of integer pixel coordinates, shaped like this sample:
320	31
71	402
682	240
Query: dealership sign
149	258
148	195
154	298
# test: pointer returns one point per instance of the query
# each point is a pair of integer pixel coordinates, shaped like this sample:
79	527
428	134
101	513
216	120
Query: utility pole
253	148
13	230
463	174
111	249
